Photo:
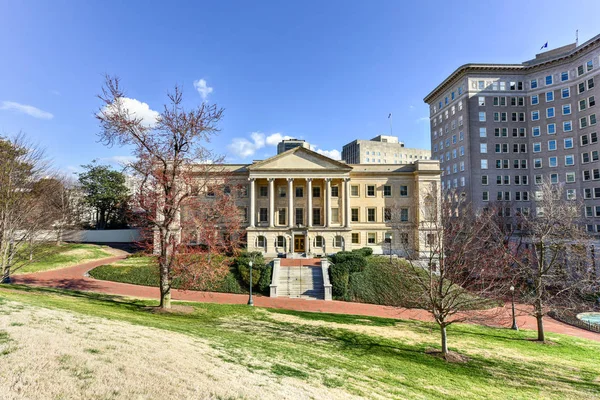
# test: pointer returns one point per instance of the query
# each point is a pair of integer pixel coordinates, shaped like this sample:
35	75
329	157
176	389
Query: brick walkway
74	278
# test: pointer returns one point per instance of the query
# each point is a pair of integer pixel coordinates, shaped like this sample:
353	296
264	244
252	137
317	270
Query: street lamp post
250	301
514	320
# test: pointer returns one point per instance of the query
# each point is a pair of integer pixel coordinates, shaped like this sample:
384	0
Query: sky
327	71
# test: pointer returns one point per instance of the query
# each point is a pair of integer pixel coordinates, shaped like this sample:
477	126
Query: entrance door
298	244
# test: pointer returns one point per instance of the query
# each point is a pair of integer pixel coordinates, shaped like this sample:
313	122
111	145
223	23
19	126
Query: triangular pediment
300	158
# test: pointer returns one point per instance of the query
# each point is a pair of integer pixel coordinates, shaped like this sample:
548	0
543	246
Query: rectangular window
280	241
552	162
534	83
568	143
335	191
403	190
335	215
281	191
481	101
370	190
570	160
567	126
299	191
484	164
371	238
566	109
404	215
549	80
482	116
570	177
483	148
371	214
484	179
535	100
551	128
564	76
354	190
263	215
263	191
485	196
535	115
551	145
281	216
482	132
354	215
535	131
387	190
316	191
565	93
550	112
355	238
300	216
549	96
316	216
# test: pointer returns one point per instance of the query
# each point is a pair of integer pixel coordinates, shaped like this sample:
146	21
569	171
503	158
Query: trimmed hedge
261	271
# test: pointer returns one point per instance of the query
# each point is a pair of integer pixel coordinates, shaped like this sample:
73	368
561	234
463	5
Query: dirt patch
58	354
451	356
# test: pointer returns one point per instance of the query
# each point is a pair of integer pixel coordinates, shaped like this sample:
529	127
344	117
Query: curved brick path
74	278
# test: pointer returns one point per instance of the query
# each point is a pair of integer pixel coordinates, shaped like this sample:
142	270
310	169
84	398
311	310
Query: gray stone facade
529	121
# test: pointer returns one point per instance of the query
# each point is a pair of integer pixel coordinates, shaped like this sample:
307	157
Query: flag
389	115
545	45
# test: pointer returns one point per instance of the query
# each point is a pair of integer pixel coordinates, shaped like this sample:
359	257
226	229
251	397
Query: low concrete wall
106	236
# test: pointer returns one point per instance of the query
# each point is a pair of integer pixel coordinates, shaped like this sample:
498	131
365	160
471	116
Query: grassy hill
64	344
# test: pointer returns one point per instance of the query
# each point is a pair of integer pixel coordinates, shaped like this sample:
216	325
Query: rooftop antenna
390	118
577	38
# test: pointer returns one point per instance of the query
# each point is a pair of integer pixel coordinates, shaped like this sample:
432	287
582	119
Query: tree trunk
540	327
444	340
165	286
6	275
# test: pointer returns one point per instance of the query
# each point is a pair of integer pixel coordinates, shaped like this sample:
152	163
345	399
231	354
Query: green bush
230	284
261	271
365	251
339	277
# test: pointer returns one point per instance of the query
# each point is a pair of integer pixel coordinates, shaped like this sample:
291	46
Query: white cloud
243	147
120	160
335	154
203	88
25	109
275	138
136	109
422	119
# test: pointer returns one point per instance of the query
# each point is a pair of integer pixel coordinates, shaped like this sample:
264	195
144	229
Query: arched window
280	241
319	241
261	242
338	241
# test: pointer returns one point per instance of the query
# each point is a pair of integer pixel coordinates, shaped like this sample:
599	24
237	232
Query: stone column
347	202
271	202
290	202
309	202
252	202
327	202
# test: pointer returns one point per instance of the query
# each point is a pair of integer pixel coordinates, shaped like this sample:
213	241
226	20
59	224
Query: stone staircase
304	282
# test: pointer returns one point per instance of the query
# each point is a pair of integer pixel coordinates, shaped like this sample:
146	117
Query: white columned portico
309	205
252	202
290	202
327	202
271	202
347	202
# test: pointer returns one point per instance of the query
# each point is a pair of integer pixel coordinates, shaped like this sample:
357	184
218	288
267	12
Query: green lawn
66	255
139	270
370	357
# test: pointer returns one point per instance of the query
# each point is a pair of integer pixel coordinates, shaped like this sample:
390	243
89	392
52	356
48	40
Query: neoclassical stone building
300	203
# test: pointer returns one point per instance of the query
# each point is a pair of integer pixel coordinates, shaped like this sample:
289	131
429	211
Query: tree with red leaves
174	172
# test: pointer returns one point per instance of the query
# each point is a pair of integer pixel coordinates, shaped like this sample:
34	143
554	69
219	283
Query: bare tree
60	201
23	215
457	260
551	263
172	165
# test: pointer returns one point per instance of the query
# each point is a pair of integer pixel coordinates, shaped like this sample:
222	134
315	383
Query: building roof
541	60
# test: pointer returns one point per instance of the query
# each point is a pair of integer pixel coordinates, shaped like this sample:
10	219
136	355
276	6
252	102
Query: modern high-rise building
288	144
500	129
382	149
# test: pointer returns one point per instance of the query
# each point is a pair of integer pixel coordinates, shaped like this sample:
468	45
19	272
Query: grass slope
66	255
139	270
369	357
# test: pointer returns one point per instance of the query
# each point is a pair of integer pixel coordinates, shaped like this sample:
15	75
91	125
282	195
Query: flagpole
390	118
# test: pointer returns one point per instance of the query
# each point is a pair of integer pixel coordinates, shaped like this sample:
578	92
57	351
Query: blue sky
325	71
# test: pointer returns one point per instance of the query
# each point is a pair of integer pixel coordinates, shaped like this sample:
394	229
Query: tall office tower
499	129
